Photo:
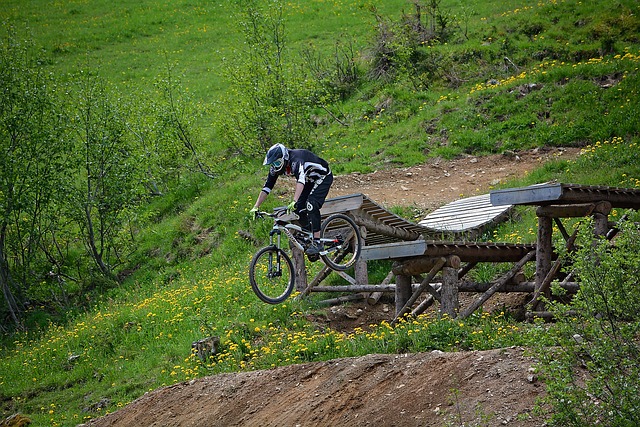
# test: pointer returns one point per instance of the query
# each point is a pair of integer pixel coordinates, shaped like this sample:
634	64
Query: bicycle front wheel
271	275
341	240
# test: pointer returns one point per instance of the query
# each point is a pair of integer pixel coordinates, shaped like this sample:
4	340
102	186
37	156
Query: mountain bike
271	271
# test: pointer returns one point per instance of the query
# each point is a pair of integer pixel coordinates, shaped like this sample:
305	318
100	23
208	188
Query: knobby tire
340	226
269	284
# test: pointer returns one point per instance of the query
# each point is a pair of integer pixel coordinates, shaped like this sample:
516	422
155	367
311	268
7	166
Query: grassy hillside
513	75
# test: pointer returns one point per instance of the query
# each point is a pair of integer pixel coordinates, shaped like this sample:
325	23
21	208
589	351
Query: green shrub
593	374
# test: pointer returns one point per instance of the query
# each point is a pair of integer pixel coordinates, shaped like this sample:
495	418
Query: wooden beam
467	268
365	220
497	285
428	302
355	288
523	287
423	285
375	296
340	300
346	277
575	210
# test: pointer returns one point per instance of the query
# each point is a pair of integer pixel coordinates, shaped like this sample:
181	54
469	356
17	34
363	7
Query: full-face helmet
276	156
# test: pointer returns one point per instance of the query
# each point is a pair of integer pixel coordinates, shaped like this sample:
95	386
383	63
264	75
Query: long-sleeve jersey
304	165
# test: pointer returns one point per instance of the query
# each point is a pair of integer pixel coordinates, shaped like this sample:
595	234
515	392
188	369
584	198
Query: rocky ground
479	388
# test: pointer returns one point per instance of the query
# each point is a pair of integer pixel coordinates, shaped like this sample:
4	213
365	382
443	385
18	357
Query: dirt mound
496	387
489	388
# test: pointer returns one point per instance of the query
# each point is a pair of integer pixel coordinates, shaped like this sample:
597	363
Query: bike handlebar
277	212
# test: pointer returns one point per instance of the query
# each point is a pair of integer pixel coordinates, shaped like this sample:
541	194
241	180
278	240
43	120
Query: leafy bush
593	375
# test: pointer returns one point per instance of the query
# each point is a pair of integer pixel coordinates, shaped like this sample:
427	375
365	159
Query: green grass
188	277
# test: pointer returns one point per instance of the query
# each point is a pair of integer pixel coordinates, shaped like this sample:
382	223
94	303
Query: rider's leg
301	208
315	200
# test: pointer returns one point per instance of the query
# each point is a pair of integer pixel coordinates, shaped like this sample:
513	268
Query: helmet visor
277	164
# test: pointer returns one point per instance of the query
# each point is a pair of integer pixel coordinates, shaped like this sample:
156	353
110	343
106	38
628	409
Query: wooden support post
300	268
497	285
360	272
402	309
601	224
403	291
553	271
449	303
544	249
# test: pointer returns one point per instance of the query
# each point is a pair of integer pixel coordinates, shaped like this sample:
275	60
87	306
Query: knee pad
313	206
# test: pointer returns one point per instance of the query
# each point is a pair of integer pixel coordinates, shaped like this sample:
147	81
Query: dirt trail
488	388
439	182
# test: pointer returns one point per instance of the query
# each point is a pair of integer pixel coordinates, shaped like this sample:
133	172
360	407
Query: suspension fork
274	272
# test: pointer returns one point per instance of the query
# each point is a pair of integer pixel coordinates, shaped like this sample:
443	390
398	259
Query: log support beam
449	303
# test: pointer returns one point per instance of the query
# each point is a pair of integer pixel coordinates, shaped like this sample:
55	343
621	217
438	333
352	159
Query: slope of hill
516	76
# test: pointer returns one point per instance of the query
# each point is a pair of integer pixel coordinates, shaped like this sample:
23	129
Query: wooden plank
423	286
556	193
465	214
525	195
342	204
464	220
393	250
480	210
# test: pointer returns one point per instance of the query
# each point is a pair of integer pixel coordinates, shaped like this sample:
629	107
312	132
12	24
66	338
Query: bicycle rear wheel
342	242
271	275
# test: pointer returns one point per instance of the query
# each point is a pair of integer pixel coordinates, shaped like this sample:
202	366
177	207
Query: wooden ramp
469	216
419	249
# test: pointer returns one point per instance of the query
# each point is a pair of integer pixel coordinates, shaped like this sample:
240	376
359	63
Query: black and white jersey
304	165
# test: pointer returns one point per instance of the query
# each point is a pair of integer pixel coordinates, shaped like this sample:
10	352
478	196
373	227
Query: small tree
271	98
108	175
32	167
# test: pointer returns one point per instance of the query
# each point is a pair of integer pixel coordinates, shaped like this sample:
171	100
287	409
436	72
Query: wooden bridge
440	245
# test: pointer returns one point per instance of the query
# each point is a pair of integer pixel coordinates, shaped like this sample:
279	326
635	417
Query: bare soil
477	388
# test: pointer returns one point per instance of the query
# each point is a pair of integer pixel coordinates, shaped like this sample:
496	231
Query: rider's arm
298	192
266	189
261	198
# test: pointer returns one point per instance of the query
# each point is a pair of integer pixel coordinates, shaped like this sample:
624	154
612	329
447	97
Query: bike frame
280	226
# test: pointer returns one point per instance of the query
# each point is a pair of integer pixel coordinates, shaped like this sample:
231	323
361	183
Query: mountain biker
313	180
